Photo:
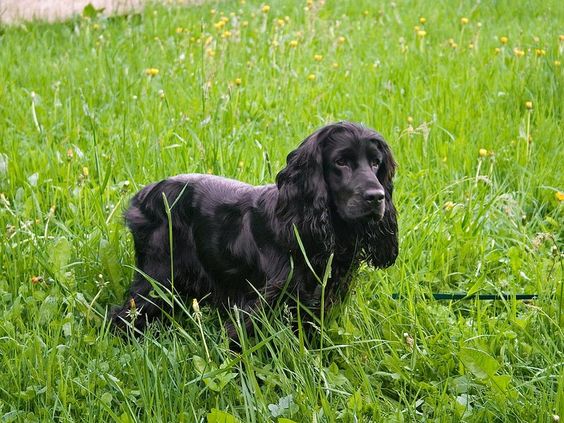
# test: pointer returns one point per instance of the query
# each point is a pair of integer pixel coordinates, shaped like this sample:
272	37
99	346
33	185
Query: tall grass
92	109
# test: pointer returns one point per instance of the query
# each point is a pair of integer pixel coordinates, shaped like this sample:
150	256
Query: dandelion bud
195	306
448	206
36	279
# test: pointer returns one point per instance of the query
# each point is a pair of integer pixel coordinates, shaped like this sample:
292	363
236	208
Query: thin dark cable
464	296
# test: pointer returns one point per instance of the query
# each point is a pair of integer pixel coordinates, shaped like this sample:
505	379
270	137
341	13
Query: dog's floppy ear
303	197
380	239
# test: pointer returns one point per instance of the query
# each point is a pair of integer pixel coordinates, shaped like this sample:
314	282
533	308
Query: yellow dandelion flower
224	19
210	52
471	46
540	52
421	33
151	72
416	28
318	57
85	172
241	164
96	27
275	43
454	45
557	63
503	40
294	43
219	24
497	50
311	77
561	38
280	22
422	20
265	8
226	34
335	65
365	13
341	40
483	152
529	105
245	24
559	195
237	81
179	30
518	52
409	120
464	21
70	154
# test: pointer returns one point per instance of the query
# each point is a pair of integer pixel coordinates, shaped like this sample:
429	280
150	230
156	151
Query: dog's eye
375	163
341	162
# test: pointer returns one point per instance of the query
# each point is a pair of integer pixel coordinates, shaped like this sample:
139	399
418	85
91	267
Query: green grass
83	127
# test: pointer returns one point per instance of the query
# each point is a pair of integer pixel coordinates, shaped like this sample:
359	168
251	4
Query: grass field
469	96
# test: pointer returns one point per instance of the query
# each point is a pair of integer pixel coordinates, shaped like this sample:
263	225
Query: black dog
233	243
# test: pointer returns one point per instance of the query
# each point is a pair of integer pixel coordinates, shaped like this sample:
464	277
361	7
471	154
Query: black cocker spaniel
233	243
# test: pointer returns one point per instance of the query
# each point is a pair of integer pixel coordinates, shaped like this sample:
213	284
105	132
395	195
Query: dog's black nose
374	195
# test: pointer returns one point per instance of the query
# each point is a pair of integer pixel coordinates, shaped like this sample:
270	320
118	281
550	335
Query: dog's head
342	172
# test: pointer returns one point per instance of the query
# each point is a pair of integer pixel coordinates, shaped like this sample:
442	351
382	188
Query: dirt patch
13	11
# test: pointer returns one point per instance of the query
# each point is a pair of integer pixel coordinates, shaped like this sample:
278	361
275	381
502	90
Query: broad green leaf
109	259
49	309
218	416
478	362
60	255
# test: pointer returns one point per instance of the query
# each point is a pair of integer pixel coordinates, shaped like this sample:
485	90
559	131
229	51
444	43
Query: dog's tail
148	209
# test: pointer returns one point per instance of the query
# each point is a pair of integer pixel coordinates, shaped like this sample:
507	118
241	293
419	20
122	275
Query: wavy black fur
232	240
